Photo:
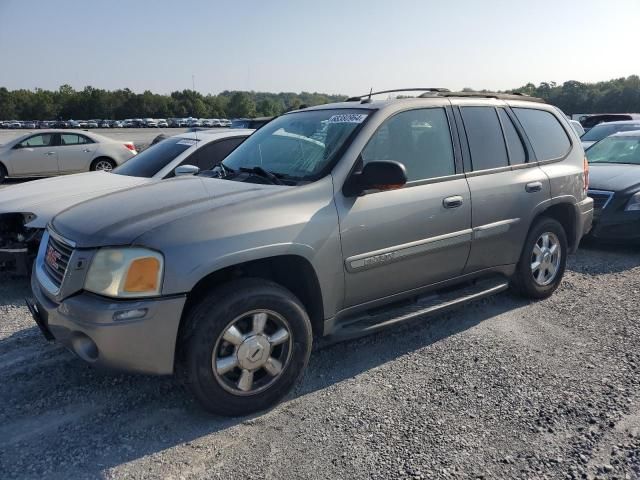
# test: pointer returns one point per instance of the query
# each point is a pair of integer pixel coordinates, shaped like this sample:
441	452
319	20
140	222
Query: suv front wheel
246	346
544	257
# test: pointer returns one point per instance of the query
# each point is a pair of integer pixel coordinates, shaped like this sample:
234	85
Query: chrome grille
56	259
601	198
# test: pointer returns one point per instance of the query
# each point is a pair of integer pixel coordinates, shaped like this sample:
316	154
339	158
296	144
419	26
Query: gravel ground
502	388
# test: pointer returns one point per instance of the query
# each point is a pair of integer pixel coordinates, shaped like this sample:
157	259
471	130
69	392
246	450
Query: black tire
97	161
205	326
3	173
523	281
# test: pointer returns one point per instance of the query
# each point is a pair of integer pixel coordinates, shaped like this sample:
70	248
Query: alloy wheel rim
252	352
104	165
545	258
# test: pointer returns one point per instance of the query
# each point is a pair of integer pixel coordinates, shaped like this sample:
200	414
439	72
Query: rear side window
548	138
517	153
484	134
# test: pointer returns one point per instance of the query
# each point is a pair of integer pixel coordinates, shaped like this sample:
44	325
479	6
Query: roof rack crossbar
427	89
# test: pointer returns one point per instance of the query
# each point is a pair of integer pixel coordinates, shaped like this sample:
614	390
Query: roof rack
427	89
500	96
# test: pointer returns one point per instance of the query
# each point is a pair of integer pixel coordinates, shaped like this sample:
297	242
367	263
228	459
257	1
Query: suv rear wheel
542	264
246	346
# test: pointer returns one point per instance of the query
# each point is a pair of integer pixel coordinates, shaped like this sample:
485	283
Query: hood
121	217
613	177
44	198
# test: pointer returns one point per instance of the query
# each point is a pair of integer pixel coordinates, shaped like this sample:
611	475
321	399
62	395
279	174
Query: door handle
86	150
533	187
452	202
50	153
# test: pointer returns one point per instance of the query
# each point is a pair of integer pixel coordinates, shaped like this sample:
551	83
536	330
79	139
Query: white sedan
58	152
26	208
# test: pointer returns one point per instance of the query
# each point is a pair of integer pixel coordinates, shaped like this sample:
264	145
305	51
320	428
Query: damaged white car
26	208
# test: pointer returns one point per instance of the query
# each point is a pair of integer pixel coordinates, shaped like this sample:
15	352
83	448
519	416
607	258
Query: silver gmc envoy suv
337	220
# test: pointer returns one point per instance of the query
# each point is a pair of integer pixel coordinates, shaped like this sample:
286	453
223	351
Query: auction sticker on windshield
348	118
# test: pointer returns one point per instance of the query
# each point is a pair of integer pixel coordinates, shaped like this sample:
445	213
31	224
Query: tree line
612	96
90	102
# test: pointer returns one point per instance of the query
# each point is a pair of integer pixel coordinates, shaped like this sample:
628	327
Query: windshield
604	130
297	146
616	150
155	158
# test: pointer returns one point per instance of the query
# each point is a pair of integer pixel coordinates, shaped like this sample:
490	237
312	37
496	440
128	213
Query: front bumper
85	325
616	226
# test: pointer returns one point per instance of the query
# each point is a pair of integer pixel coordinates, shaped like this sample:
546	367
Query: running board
373	321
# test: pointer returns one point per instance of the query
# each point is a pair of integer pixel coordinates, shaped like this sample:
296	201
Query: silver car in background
26	208
57	152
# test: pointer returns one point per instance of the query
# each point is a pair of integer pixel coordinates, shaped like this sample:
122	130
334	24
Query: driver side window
419	139
42	140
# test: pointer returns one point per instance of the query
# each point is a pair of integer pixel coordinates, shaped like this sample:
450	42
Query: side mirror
17	146
380	175
186	170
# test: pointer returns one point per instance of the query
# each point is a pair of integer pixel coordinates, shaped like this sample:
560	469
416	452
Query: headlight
634	203
125	272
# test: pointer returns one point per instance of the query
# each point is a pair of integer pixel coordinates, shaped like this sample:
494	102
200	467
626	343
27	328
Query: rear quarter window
548	138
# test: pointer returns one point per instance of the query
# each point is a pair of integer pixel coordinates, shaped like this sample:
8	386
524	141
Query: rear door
75	152
35	155
505	181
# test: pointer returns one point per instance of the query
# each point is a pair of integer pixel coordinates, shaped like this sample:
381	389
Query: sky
329	46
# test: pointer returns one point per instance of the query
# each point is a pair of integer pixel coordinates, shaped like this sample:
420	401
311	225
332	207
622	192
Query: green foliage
68	103
620	95
617	95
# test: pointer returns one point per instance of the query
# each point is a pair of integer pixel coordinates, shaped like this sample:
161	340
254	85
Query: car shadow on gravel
93	420
597	258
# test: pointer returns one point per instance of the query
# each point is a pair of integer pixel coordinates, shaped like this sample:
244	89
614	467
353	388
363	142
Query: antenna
368	99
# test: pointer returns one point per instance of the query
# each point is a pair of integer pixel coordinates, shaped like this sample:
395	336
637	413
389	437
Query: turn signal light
143	275
130	146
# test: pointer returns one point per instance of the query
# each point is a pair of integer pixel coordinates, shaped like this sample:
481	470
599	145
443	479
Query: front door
75	152
34	156
398	240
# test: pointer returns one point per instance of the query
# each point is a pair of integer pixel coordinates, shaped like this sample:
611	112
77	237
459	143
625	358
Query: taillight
131	147
585	174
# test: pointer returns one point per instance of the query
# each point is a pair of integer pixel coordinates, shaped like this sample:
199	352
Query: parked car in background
117	124
590	121
14	124
105	124
603	130
59	152
25	209
150	123
207	123
28	124
250	122
92	124
162	123
227	280
577	127
614	185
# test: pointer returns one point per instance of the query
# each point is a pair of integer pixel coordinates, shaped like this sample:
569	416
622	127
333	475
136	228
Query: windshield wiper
258	170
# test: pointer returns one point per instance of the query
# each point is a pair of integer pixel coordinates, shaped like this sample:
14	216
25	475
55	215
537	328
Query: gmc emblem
52	258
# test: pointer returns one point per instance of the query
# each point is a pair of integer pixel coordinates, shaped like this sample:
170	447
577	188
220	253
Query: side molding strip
384	256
